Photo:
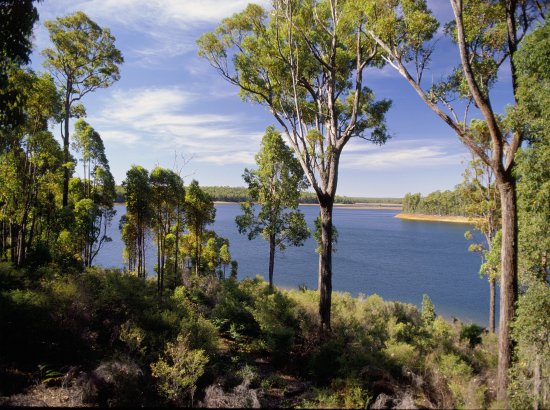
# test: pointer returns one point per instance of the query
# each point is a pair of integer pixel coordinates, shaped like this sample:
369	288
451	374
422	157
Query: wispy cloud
165	25
161	119
406	154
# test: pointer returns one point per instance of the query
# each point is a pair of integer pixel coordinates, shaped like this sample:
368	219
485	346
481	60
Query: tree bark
492	305
325	266
66	154
271	260
537	382
508	282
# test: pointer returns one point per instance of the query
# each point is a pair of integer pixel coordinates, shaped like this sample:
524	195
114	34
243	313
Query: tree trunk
536	383
508	283
492	305
158	262
66	154
325	266
271	260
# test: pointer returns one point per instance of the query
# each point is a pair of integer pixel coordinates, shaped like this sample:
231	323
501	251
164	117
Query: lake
376	253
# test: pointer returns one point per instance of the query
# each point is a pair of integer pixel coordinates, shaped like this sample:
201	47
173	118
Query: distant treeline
435	203
239	194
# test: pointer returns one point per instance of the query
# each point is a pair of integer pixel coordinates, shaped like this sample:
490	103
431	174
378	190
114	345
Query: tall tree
533	113
482	204
83	59
304	61
167	199
487	34
200	211
17	19
94	193
276	186
30	166
138	216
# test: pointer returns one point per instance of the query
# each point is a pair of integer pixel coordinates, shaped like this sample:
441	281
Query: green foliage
274	314
342	394
234	309
18	18
200	212
435	203
275	185
178	370
428	314
457	374
77	32
201	334
472	333
317	235
240	194
531	331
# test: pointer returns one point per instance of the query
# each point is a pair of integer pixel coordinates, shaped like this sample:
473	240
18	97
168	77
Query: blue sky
170	108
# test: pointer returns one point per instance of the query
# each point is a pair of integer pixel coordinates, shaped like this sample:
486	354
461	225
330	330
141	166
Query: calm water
376	253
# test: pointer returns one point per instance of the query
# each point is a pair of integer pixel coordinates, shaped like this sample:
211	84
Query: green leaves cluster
276	186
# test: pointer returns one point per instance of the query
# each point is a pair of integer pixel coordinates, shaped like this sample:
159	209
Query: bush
401	354
201	333
472	333
234	309
458	374
274	313
178	371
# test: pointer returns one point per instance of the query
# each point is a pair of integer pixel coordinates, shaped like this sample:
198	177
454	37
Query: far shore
436	218
393	207
373	205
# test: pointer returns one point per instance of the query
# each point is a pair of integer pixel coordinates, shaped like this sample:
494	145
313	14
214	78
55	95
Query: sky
172	109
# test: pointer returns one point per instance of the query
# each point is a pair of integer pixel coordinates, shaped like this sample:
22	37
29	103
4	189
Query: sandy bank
436	218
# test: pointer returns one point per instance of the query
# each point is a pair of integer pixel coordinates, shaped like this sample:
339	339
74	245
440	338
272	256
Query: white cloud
406	154
161	119
119	137
165	27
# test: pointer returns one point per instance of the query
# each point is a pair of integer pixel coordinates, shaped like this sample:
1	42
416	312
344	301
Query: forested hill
239	194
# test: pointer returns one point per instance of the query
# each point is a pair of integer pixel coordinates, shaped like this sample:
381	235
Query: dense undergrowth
232	343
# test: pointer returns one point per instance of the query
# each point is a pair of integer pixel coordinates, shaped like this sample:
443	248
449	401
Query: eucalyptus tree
30	167
487	34
139	212
200	212
93	194
215	253
276	186
83	58
167	200
225	257
482	204
304	61
18	18
533	171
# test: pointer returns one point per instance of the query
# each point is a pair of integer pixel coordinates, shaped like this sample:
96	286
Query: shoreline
359	206
374	205
436	218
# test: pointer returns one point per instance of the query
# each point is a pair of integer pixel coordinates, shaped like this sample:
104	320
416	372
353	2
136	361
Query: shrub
274	314
234	310
472	333
401	354
324	364
201	333
178	371
458	374
428	311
